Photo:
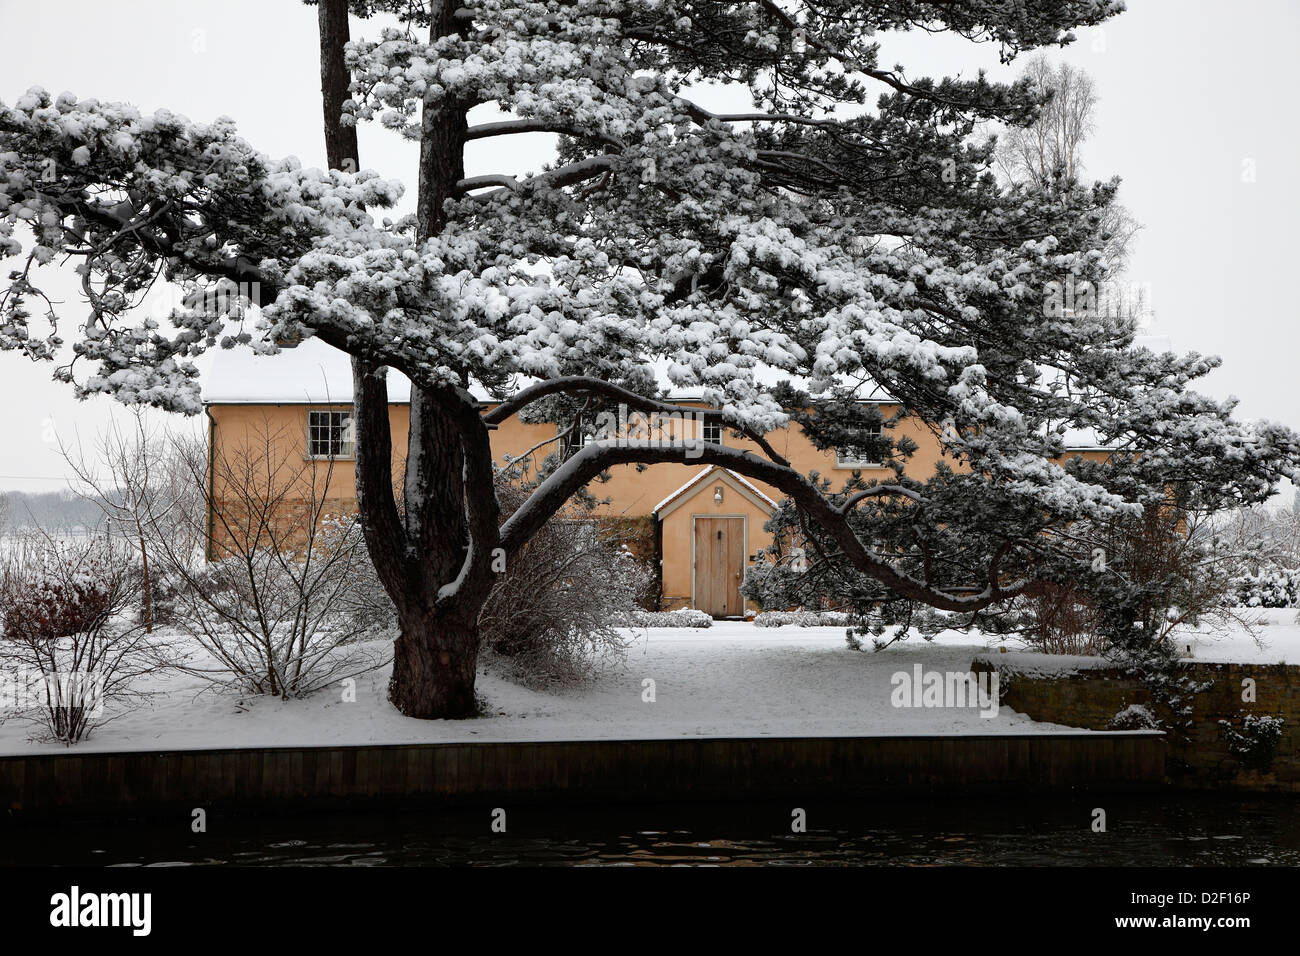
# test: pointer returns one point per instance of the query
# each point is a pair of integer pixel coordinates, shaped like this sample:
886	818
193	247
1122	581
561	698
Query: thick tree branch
584	466
566	175
577	384
877	491
511	127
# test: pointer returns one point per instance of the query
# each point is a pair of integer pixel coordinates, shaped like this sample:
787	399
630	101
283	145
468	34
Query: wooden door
719	565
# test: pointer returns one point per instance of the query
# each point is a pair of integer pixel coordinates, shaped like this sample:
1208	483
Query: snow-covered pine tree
843	229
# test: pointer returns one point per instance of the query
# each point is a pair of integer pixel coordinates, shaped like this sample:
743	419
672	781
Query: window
329	434
851	456
573	441
713	431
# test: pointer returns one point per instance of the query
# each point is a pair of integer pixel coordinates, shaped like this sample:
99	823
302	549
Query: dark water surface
1167	829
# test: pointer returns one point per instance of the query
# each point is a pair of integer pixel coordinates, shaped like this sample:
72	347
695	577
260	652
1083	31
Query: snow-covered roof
1078	439
315	373
311	372
700	479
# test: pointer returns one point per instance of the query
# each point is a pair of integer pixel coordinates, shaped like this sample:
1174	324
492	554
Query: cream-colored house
703	524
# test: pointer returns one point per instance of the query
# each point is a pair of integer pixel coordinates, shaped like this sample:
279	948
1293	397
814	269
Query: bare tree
1050	146
1048	153
1259	538
126	475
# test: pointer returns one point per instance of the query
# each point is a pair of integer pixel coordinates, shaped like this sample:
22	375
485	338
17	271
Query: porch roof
682	494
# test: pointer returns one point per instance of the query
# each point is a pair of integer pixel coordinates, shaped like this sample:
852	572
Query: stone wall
1199	757
640	534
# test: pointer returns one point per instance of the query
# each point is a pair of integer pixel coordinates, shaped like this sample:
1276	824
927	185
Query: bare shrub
1182	572
73	655
273	611
554	615
1062	620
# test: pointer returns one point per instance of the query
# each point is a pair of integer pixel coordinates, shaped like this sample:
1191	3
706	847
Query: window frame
857	463
347	446
568	445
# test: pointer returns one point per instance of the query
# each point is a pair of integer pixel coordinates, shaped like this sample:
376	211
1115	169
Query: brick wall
1198	758
640	534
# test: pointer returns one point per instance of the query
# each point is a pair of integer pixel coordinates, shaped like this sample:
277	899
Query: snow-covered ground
733	679
1276	640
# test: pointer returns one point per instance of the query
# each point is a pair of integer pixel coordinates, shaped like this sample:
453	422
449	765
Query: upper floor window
851	456
574	436
329	434
713	431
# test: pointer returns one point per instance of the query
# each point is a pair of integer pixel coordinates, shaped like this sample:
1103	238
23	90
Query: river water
1165	829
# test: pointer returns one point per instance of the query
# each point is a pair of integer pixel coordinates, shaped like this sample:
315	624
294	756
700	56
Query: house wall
637	492
632	491
259	431
259	453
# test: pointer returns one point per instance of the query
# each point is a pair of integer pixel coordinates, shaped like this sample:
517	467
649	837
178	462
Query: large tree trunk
435	662
438	592
421	553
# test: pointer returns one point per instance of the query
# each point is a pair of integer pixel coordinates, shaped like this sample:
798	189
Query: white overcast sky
1191	91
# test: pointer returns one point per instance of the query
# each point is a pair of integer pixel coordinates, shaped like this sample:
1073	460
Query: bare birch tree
1048	153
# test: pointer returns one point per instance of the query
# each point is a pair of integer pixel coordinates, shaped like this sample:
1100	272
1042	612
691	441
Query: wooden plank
628	770
703	564
734	540
718	566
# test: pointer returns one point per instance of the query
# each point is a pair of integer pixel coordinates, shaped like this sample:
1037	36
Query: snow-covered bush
1255	745
553	615
805	619
682	617
54	591
1134	717
1271	587
71	648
